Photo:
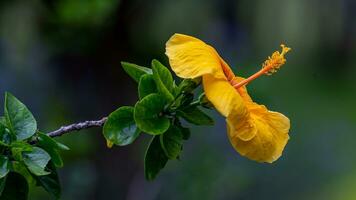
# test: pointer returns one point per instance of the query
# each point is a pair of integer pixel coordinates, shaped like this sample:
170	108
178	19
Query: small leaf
195	116
36	161
4	166
175	91
188	85
135	71
204	101
163	79
155	159
146	86
185	132
16	187
18	118
2	185
149	116
172	141
120	128
5	137
51	182
182	101
51	147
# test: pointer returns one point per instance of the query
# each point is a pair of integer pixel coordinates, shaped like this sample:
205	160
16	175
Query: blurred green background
62	58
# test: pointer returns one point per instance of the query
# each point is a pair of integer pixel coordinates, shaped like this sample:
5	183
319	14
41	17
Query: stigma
270	66
274	62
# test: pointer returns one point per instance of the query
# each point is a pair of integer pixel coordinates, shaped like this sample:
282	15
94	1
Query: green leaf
185	132
182	101
146	86
149	116
19	119
135	71
45	139
51	182
20	167
188	85
4	166
3	121
155	159
51	146
2	185
120	128
18	147
171	142
51	149
36	161
195	116
204	101
163	79
175	91
5	137
16	187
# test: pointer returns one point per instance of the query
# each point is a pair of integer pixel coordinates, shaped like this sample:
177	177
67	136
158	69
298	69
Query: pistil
270	66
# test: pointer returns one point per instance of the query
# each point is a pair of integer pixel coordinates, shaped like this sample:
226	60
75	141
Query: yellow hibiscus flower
253	130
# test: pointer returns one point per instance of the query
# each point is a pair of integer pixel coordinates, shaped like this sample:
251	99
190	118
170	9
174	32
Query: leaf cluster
28	158
161	106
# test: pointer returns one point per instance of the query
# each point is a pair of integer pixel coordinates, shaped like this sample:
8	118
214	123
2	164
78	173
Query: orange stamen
270	66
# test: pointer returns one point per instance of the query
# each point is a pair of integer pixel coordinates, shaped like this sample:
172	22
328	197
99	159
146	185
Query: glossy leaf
51	146
120	128
2	185
18	147
148	115
171	142
182	101
195	116
5	137
51	182
45	139
135	71
146	86
21	168
4	166
155	159
185	132
163	79
188	85
36	161
19	119
16	187
204	101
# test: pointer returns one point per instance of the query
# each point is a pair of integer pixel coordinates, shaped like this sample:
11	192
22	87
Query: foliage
161	107
30	158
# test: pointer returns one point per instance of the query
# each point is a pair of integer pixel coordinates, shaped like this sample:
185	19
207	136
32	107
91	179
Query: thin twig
77	127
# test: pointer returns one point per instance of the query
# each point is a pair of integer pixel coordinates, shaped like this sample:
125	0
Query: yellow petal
190	57
222	95
270	137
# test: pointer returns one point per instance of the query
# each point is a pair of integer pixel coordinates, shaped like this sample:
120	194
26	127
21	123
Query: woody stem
77	127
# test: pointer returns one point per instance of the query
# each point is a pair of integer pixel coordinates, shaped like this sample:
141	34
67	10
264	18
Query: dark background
62	59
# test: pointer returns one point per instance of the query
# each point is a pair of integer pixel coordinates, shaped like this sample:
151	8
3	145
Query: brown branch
77	127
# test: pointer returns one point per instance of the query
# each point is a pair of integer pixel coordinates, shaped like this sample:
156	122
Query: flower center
270	66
